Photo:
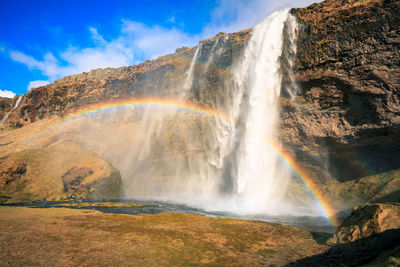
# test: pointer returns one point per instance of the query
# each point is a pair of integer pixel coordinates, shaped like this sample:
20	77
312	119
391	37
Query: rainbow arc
325	207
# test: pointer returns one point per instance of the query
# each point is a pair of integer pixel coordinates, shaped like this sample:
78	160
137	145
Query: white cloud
96	37
48	66
154	41
76	60
35	84
6	93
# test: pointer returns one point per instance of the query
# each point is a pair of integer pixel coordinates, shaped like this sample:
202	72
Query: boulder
370	226
59	172
370	236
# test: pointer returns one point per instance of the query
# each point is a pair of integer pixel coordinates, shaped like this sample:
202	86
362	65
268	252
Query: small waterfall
18	101
292	31
189	75
216	52
14	107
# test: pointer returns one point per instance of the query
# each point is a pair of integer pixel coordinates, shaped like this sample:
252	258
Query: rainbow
325	207
327	210
146	102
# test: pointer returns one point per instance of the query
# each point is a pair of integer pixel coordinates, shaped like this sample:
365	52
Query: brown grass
60	237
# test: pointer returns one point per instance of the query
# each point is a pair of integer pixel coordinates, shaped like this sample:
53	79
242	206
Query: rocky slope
343	126
367	221
60	172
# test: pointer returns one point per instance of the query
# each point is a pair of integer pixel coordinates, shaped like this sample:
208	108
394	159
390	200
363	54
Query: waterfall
216	52
226	164
260	181
292	30
242	171
189	75
14	107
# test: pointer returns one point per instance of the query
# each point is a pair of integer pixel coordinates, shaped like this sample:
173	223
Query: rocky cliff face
344	122
347	67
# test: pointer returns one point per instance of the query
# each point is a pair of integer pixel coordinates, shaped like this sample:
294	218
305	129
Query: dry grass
60	237
332	11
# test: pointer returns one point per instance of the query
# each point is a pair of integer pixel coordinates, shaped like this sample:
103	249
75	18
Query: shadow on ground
381	249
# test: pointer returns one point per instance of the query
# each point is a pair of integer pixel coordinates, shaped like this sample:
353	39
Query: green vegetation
320	46
383	187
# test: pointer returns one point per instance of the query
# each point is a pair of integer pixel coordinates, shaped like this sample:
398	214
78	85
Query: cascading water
260	181
189	76
14	107
292	28
216	50
241	154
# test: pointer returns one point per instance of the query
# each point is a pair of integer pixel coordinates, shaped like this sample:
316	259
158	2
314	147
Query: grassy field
62	236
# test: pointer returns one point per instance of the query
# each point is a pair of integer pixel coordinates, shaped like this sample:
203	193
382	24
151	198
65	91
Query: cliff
343	125
349	73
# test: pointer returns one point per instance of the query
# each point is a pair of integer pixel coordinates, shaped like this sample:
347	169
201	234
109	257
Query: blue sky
43	40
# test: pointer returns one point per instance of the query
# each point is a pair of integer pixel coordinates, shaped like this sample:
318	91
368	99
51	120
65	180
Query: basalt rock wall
347	113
